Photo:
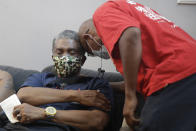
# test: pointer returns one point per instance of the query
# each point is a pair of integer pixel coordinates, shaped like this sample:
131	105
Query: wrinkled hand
26	113
128	112
94	98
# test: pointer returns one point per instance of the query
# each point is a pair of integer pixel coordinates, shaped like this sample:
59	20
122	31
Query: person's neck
69	80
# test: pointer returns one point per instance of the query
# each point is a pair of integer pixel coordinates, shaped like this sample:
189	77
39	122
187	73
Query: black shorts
173	108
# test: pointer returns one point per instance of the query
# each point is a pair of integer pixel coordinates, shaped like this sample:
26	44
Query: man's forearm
39	96
130	51
94	120
87	120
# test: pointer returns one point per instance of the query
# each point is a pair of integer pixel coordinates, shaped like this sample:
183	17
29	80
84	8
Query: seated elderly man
67	101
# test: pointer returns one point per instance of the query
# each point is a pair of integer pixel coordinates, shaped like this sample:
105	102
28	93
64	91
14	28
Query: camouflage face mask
67	66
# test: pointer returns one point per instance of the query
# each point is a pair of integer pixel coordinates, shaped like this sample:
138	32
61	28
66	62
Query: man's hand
128	111
26	113
93	98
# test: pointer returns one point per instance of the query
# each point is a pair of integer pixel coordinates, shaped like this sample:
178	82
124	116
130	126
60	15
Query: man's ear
85	36
83	59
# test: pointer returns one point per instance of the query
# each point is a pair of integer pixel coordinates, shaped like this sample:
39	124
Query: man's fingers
101	104
23	119
108	106
19	117
136	121
16	112
132	121
16	107
104	103
101	96
97	99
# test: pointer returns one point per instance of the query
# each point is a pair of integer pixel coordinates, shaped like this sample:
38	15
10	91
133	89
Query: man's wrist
42	114
129	94
72	96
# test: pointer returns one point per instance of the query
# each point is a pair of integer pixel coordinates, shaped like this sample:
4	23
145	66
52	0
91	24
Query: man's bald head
88	28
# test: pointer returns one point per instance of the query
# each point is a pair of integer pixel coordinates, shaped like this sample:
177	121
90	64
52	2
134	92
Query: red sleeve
110	20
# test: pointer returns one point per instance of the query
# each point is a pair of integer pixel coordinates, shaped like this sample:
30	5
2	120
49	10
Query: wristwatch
50	112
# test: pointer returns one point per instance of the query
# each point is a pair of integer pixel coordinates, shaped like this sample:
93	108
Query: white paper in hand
8	107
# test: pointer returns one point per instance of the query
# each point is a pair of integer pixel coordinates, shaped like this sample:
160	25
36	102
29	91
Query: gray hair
66	34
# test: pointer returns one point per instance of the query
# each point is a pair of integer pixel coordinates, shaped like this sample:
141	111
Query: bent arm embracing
87	120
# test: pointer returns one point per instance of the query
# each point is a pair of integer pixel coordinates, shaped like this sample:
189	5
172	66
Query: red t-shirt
168	53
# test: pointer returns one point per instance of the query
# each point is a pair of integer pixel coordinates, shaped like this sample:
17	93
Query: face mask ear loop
89	47
92	38
101	70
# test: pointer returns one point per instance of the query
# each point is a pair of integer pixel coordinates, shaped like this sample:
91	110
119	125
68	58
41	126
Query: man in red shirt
156	58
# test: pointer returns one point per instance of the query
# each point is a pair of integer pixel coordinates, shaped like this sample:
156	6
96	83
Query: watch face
50	111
